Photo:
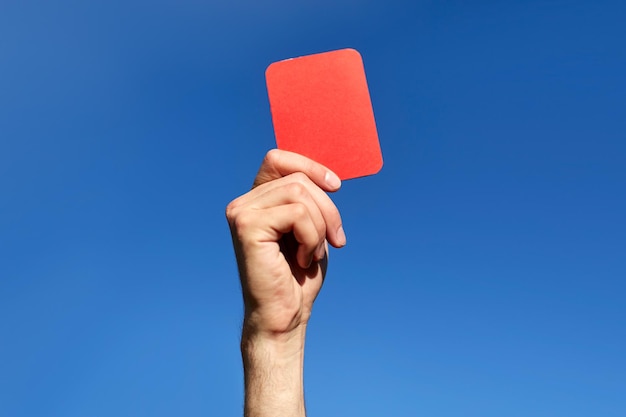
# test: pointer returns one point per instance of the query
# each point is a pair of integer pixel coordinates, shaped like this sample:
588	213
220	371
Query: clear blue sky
485	271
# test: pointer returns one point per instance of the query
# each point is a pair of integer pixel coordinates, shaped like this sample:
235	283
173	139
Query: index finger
279	163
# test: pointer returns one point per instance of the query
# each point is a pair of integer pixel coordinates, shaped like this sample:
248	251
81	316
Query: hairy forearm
273	374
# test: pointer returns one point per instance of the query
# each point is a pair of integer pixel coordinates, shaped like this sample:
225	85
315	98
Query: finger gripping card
321	109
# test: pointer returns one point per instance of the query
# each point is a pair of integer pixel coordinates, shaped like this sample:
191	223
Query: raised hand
280	229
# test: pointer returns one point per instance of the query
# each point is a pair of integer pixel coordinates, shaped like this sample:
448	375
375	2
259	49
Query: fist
281	230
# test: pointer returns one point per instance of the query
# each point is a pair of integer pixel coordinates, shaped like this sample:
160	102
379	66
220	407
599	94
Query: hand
279	230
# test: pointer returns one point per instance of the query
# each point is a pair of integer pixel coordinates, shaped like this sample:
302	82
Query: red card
321	109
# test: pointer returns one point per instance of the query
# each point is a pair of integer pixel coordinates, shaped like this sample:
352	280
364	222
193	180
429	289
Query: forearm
273	374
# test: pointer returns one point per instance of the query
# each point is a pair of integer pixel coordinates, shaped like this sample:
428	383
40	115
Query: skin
281	230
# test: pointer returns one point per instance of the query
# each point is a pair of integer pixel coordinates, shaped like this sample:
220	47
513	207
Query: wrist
273	372
279	345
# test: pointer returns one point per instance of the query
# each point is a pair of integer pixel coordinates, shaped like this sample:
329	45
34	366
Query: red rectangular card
321	109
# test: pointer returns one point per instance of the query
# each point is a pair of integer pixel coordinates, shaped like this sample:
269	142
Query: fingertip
320	253
304	259
332	180
341	237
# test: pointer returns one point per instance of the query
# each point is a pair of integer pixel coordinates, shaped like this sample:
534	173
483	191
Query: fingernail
321	253
332	180
341	236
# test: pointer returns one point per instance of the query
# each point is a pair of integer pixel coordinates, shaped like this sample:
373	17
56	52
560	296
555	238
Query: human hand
279	230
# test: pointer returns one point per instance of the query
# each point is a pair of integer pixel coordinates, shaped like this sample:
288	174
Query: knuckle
243	221
300	177
272	156
299	210
230	210
296	190
331	212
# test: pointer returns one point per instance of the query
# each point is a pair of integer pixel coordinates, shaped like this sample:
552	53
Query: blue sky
485	268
